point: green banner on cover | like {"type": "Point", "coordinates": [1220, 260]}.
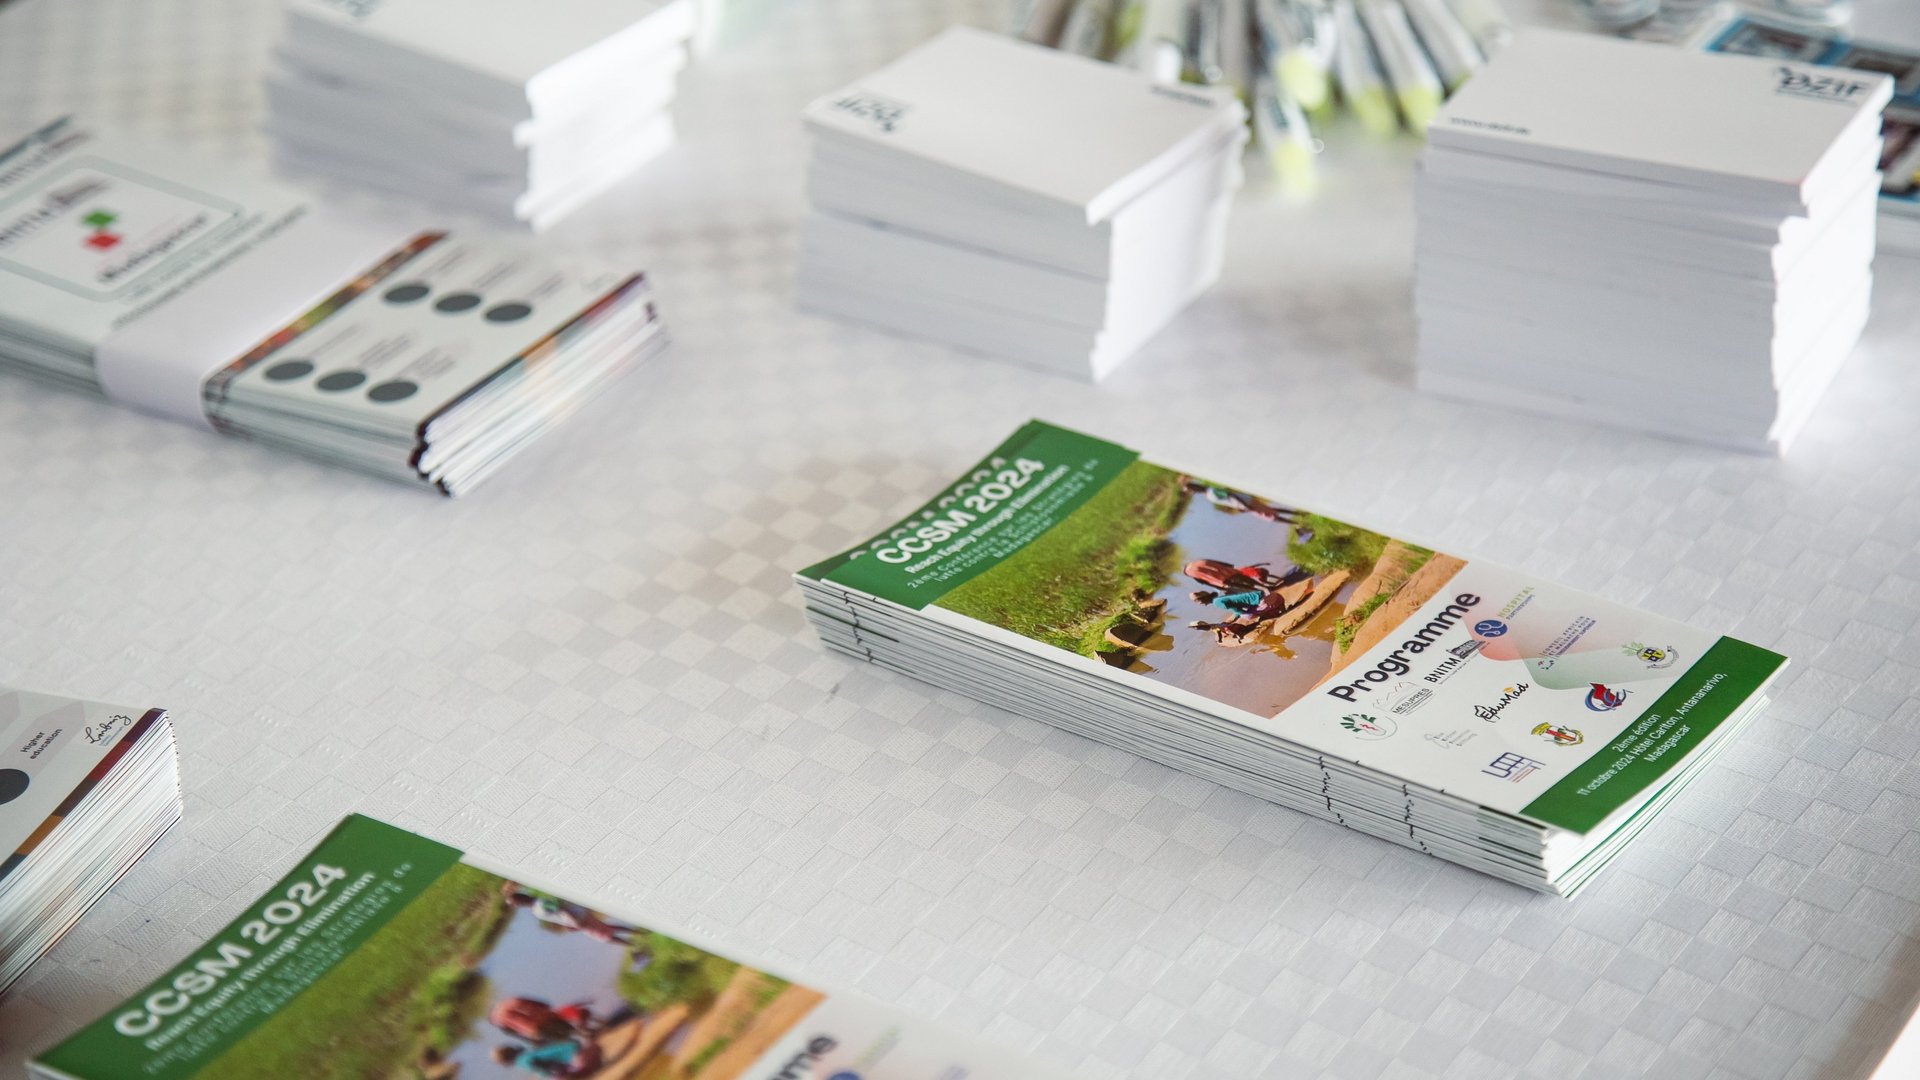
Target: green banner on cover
{"type": "Point", "coordinates": [1721, 683]}
{"type": "Point", "coordinates": [361, 876]}
{"type": "Point", "coordinates": [1025, 487]}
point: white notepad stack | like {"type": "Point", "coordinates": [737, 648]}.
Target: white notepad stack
{"type": "Point", "coordinates": [85, 789]}
{"type": "Point", "coordinates": [503, 108]}
{"type": "Point", "coordinates": [1644, 236]}
{"type": "Point", "coordinates": [1012, 200]}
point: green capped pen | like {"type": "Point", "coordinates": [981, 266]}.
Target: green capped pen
{"type": "Point", "coordinates": [1455, 56]}
{"type": "Point", "coordinates": [1205, 56]}
{"type": "Point", "coordinates": [1149, 37]}
{"type": "Point", "coordinates": [1415, 85]}
{"type": "Point", "coordinates": [1362, 85]}
{"type": "Point", "coordinates": [1280, 125]}
{"type": "Point", "coordinates": [1297, 37]}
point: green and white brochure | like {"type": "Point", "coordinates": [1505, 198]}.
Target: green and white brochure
{"type": "Point", "coordinates": [1374, 660]}
{"type": "Point", "coordinates": [386, 954]}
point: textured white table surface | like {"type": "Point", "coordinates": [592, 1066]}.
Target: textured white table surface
{"type": "Point", "coordinates": [597, 666]}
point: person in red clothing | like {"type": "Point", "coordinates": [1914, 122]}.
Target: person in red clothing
{"type": "Point", "coordinates": [1230, 578]}
{"type": "Point", "coordinates": [538, 1022]}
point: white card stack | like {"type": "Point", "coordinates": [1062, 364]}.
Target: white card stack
{"type": "Point", "coordinates": [505, 109]}
{"type": "Point", "coordinates": [1659, 239]}
{"type": "Point", "coordinates": [190, 290]}
{"type": "Point", "coordinates": [85, 789]}
{"type": "Point", "coordinates": [1008, 199]}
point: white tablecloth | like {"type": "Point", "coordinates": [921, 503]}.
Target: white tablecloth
{"type": "Point", "coordinates": [597, 666]}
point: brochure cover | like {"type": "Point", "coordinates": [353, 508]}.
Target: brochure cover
{"type": "Point", "coordinates": [385, 954]}
{"type": "Point", "coordinates": [1472, 679]}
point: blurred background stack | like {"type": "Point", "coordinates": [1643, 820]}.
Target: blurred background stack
{"type": "Point", "coordinates": [514, 112]}
{"type": "Point", "coordinates": [1058, 215]}
{"type": "Point", "coordinates": [1305, 67]}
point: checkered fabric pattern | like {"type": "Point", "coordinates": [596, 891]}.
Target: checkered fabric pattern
{"type": "Point", "coordinates": [597, 667]}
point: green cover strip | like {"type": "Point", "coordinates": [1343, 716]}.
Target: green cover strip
{"type": "Point", "coordinates": [1713, 689]}
{"type": "Point", "coordinates": [341, 894]}
{"type": "Point", "coordinates": [1026, 486]}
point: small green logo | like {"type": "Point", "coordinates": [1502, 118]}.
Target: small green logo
{"type": "Point", "coordinates": [1368, 727]}
{"type": "Point", "coordinates": [102, 237]}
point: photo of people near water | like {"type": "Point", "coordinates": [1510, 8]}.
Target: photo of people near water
{"type": "Point", "coordinates": [483, 978]}
{"type": "Point", "coordinates": [1210, 589]}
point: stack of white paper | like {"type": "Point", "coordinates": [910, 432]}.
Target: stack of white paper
{"type": "Point", "coordinates": [507, 109]}
{"type": "Point", "coordinates": [1472, 712]}
{"type": "Point", "coordinates": [1660, 239]}
{"type": "Point", "coordinates": [85, 789]}
{"type": "Point", "coordinates": [1012, 200]}
{"type": "Point", "coordinates": [185, 289]}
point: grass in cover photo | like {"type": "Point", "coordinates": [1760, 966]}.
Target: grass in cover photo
{"type": "Point", "coordinates": [1206, 588]}
{"type": "Point", "coordinates": [482, 978]}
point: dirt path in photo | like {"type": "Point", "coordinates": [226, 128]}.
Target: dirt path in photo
{"type": "Point", "coordinates": [749, 1033]}
{"type": "Point", "coordinates": [627, 1047]}
{"type": "Point", "coordinates": [1422, 586]}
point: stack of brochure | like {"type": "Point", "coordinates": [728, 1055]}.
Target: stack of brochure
{"type": "Point", "coordinates": [1469, 711]}
{"type": "Point", "coordinates": [1667, 240]}
{"type": "Point", "coordinates": [186, 290]}
{"type": "Point", "coordinates": [384, 954]}
{"type": "Point", "coordinates": [1058, 213]}
{"type": "Point", "coordinates": [85, 789]}
{"type": "Point", "coordinates": [504, 109]}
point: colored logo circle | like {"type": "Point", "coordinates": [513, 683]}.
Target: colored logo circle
{"type": "Point", "coordinates": [1489, 628]}
{"type": "Point", "coordinates": [1369, 727]}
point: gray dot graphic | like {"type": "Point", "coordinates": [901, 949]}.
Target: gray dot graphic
{"type": "Point", "coordinates": [505, 313]}
{"type": "Point", "coordinates": [341, 380]}
{"type": "Point", "coordinates": [397, 390]}
{"type": "Point", "coordinates": [453, 303]}
{"type": "Point", "coordinates": [287, 370]}
{"type": "Point", "coordinates": [405, 294]}
{"type": "Point", "coordinates": [12, 783]}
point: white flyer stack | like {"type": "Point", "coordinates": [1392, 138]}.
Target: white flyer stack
{"type": "Point", "coordinates": [1008, 199]}
{"type": "Point", "coordinates": [85, 789]}
{"type": "Point", "coordinates": [1660, 239]}
{"type": "Point", "coordinates": [509, 110]}
{"type": "Point", "coordinates": [183, 289]}
{"type": "Point", "coordinates": [1466, 710]}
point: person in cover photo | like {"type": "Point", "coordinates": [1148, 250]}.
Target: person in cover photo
{"type": "Point", "coordinates": [565, 1058]}
{"type": "Point", "coordinates": [538, 1022]}
{"type": "Point", "coordinates": [1236, 502]}
{"type": "Point", "coordinates": [565, 915]}
{"type": "Point", "coordinates": [1227, 577]}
